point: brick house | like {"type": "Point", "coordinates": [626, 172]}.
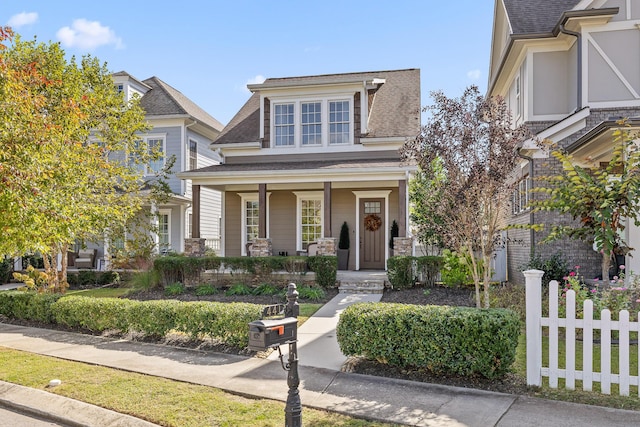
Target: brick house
{"type": "Point", "coordinates": [568, 69]}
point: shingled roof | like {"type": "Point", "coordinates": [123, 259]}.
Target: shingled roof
{"type": "Point", "coordinates": [394, 113]}
{"type": "Point", "coordinates": [164, 100]}
{"type": "Point", "coordinates": [536, 17]}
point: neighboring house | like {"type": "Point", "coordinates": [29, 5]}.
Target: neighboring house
{"type": "Point", "coordinates": [568, 69]}
{"type": "Point", "coordinates": [304, 155]}
{"type": "Point", "coordinates": [182, 129]}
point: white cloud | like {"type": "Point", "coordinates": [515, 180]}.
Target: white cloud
{"type": "Point", "coordinates": [89, 35]}
{"type": "Point", "coordinates": [22, 19]}
{"type": "Point", "coordinates": [474, 74]}
{"type": "Point", "coordinates": [254, 80]}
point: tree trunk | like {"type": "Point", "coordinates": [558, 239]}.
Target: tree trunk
{"type": "Point", "coordinates": [486, 273]}
{"type": "Point", "coordinates": [606, 263]}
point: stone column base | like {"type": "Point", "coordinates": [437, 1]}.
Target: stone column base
{"type": "Point", "coordinates": [403, 246]}
{"type": "Point", "coordinates": [194, 247]}
{"type": "Point", "coordinates": [261, 247]}
{"type": "Point", "coordinates": [327, 246]}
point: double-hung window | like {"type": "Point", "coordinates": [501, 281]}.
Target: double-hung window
{"type": "Point", "coordinates": [311, 123]}
{"type": "Point", "coordinates": [339, 129]}
{"type": "Point", "coordinates": [520, 201]}
{"type": "Point", "coordinates": [284, 125]}
{"type": "Point", "coordinates": [154, 146]}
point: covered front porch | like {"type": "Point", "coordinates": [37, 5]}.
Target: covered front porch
{"type": "Point", "coordinates": [288, 211]}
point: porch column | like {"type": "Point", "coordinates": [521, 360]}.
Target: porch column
{"type": "Point", "coordinates": [402, 208]}
{"type": "Point", "coordinates": [262, 211]}
{"type": "Point", "coordinates": [195, 212]}
{"type": "Point", "coordinates": [327, 209]}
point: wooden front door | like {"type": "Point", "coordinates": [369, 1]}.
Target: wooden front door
{"type": "Point", "coordinates": [372, 234]}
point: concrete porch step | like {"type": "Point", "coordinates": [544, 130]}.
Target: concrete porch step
{"type": "Point", "coordinates": [361, 287]}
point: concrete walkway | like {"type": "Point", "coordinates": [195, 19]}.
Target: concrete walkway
{"type": "Point", "coordinates": [322, 384]}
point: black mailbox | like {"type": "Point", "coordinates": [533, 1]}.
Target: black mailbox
{"type": "Point", "coordinates": [272, 332]}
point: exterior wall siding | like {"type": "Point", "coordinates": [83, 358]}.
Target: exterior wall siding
{"type": "Point", "coordinates": [232, 224]}
{"type": "Point", "coordinates": [551, 83]}
{"type": "Point", "coordinates": [173, 145]}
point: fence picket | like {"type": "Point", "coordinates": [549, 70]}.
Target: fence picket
{"type": "Point", "coordinates": [589, 322]}
{"type": "Point", "coordinates": [553, 334]}
{"type": "Point", "coordinates": [605, 352]}
{"type": "Point", "coordinates": [570, 341]}
{"type": "Point", "coordinates": [623, 352]}
{"type": "Point", "coordinates": [587, 346]}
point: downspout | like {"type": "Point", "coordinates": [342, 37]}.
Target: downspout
{"type": "Point", "coordinates": [578, 37]}
{"type": "Point", "coordinates": [532, 235]}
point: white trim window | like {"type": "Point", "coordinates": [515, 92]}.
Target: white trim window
{"type": "Point", "coordinates": [309, 219]}
{"type": "Point", "coordinates": [250, 213]}
{"type": "Point", "coordinates": [154, 144]}
{"type": "Point", "coordinates": [164, 231]}
{"type": "Point", "coordinates": [339, 122]}
{"type": "Point", "coordinates": [518, 90]}
{"type": "Point", "coordinates": [284, 126]}
{"type": "Point", "coordinates": [312, 122]}
{"type": "Point", "coordinates": [520, 200]}
{"type": "Point", "coordinates": [193, 154]}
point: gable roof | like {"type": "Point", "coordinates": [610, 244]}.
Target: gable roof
{"type": "Point", "coordinates": [395, 112]}
{"type": "Point", "coordinates": [536, 17]}
{"type": "Point", "coordinates": [164, 100]}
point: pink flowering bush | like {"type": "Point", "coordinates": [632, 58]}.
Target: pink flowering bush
{"type": "Point", "coordinates": [619, 294]}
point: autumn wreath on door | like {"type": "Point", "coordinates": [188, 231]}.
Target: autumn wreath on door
{"type": "Point", "coordinates": [372, 222]}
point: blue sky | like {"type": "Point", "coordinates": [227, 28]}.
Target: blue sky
{"type": "Point", "coordinates": [210, 50]}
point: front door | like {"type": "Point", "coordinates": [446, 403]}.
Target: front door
{"type": "Point", "coordinates": [372, 234]}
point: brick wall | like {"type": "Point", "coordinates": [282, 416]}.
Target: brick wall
{"type": "Point", "coordinates": [577, 252]}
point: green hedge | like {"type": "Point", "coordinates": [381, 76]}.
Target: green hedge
{"type": "Point", "coordinates": [28, 305]}
{"type": "Point", "coordinates": [404, 271]}
{"type": "Point", "coordinates": [455, 340]}
{"type": "Point", "coordinates": [222, 321]}
{"type": "Point", "coordinates": [326, 269]}
{"type": "Point", "coordinates": [182, 269]}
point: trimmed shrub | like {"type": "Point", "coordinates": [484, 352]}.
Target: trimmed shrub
{"type": "Point", "coordinates": [184, 269]}
{"type": "Point", "coordinates": [326, 269]}
{"type": "Point", "coordinates": [94, 314]}
{"type": "Point", "coordinates": [428, 269]}
{"type": "Point", "coordinates": [455, 340]}
{"type": "Point", "coordinates": [28, 305]}
{"type": "Point", "coordinates": [455, 270]}
{"type": "Point", "coordinates": [153, 318]}
{"type": "Point", "coordinates": [400, 272]}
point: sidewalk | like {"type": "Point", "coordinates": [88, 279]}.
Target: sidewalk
{"type": "Point", "coordinates": [323, 387]}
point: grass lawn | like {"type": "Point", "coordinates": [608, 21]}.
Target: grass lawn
{"type": "Point", "coordinates": [161, 401]}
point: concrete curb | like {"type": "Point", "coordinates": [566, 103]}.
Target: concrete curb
{"type": "Point", "coordinates": [63, 410]}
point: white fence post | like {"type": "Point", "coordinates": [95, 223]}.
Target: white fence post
{"type": "Point", "coordinates": [533, 283]}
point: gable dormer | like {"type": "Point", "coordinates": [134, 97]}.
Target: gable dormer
{"type": "Point", "coordinates": [129, 85]}
{"type": "Point", "coordinates": [315, 112]}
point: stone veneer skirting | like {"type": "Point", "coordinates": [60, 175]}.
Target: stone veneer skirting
{"type": "Point", "coordinates": [327, 246]}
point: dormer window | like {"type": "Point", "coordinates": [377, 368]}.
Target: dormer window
{"type": "Point", "coordinates": [312, 123]}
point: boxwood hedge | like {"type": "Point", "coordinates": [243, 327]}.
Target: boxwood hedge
{"type": "Point", "coordinates": [457, 340]}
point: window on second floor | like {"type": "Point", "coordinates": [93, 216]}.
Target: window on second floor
{"type": "Point", "coordinates": [193, 154]}
{"type": "Point", "coordinates": [153, 144]}
{"type": "Point", "coordinates": [520, 199]}
{"type": "Point", "coordinates": [307, 123]}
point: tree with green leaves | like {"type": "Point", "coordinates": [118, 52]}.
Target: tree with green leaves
{"type": "Point", "coordinates": [467, 154]}
{"type": "Point", "coordinates": [600, 199]}
{"type": "Point", "coordinates": [69, 153]}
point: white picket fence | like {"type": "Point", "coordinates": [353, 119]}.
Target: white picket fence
{"type": "Point", "coordinates": [535, 322]}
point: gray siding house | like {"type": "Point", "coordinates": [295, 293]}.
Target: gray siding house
{"type": "Point", "coordinates": [184, 131]}
{"type": "Point", "coordinates": [306, 154]}
{"type": "Point", "coordinates": [568, 69]}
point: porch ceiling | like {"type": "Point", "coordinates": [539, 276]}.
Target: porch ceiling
{"type": "Point", "coordinates": [292, 172]}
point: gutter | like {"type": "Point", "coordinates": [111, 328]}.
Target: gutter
{"type": "Point", "coordinates": [532, 233]}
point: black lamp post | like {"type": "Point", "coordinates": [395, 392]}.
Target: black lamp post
{"type": "Point", "coordinates": [293, 408]}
